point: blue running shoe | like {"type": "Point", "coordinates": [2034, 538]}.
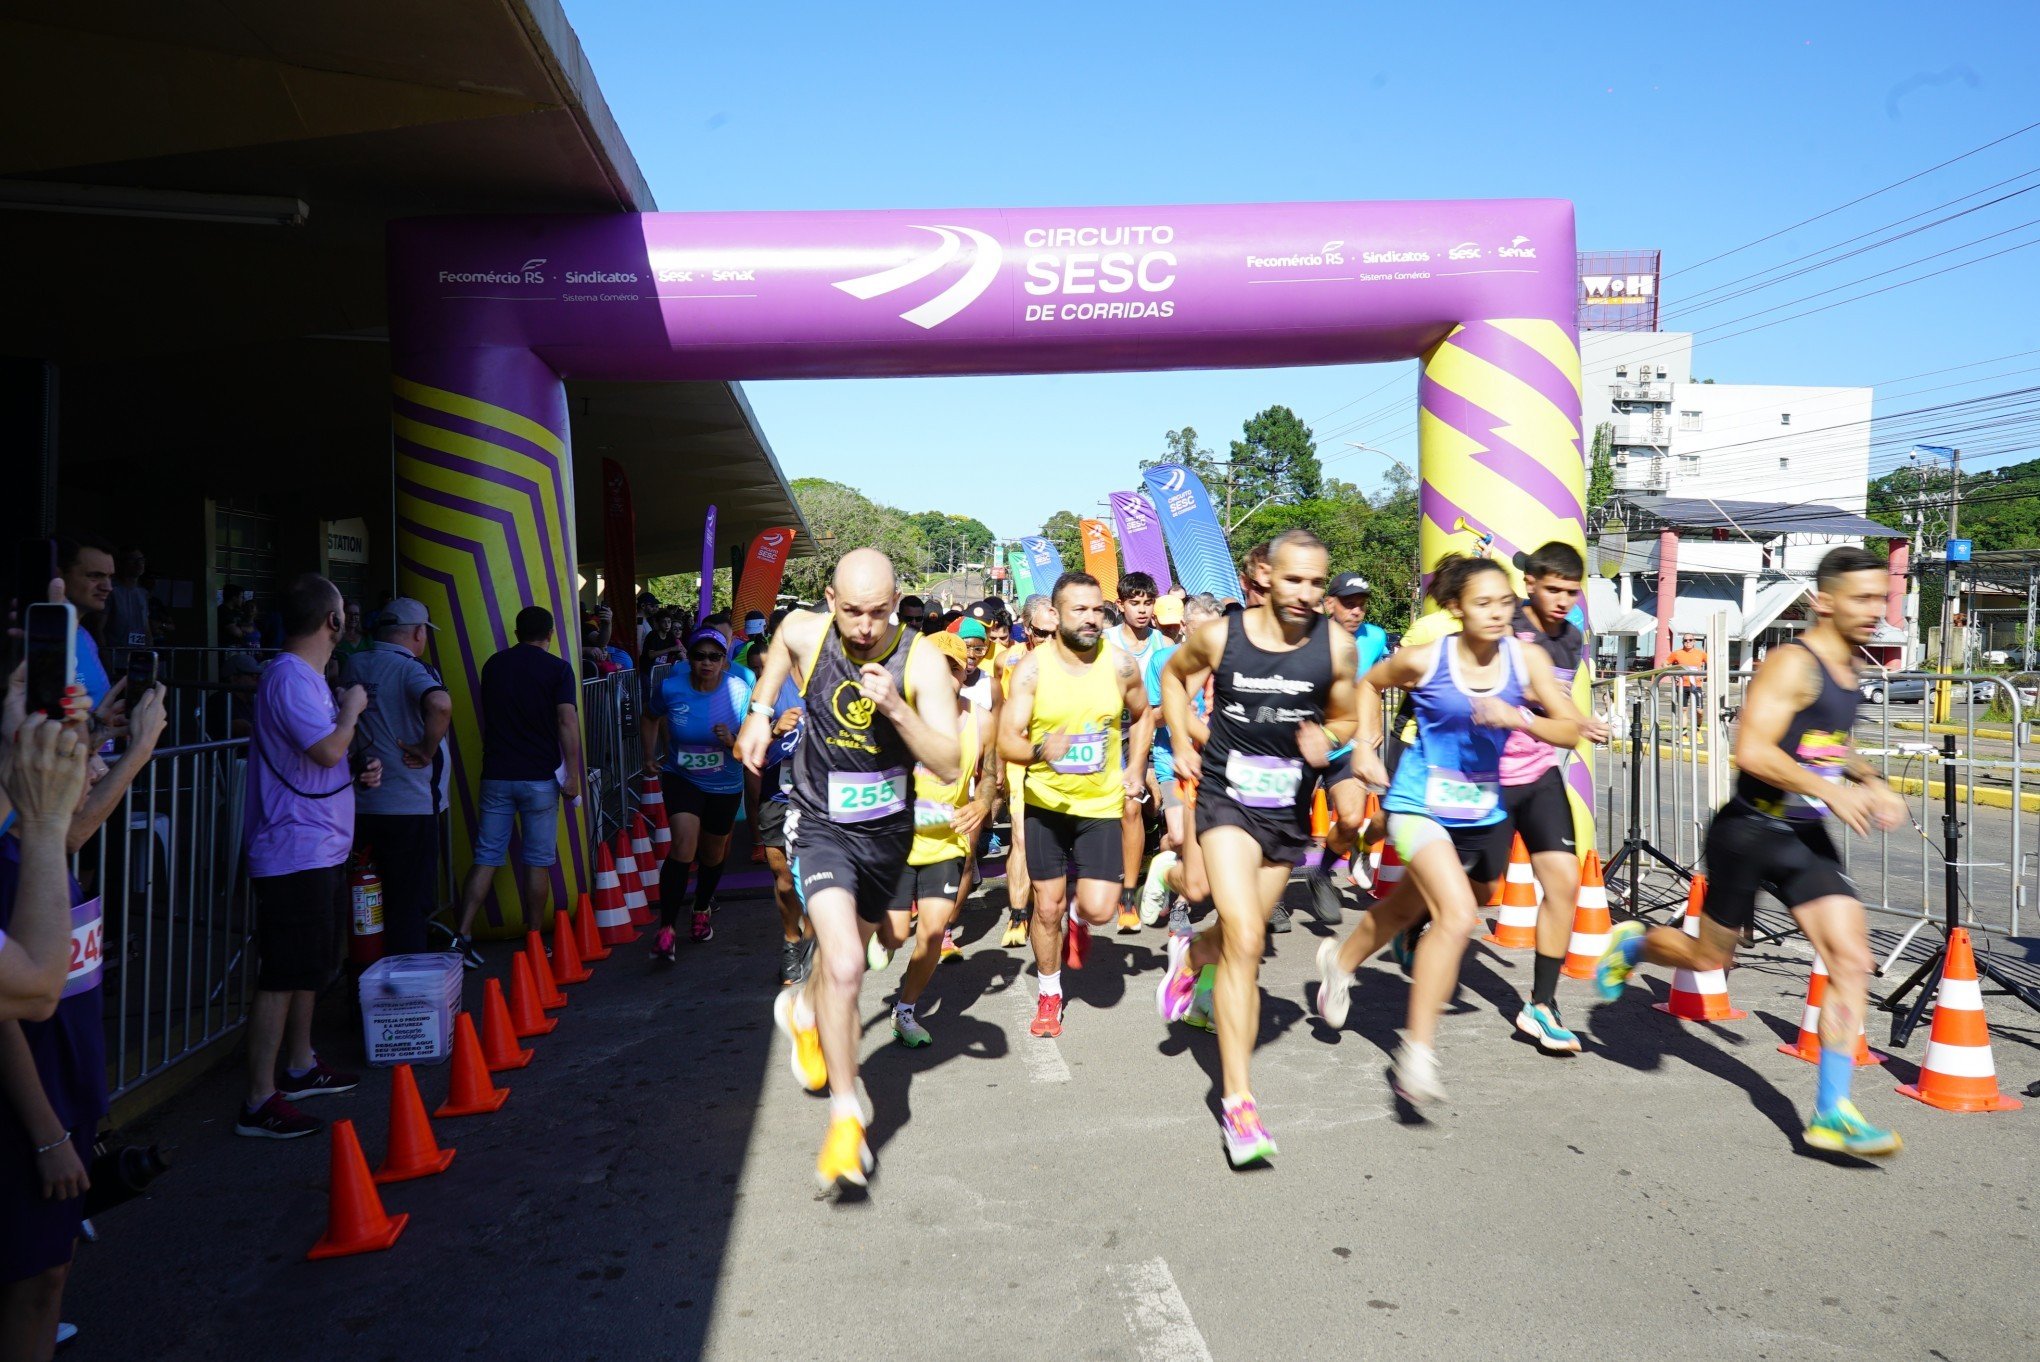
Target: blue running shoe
{"type": "Point", "coordinates": [1612, 970]}
{"type": "Point", "coordinates": [1540, 1022]}
{"type": "Point", "coordinates": [1402, 948]}
{"type": "Point", "coordinates": [1844, 1131]}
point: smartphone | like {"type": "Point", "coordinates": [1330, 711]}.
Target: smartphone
{"type": "Point", "coordinates": [51, 647]}
{"type": "Point", "coordinates": [141, 674]}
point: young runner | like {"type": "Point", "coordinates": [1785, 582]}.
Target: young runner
{"type": "Point", "coordinates": [1282, 699]}
{"type": "Point", "coordinates": [1445, 811]}
{"type": "Point", "coordinates": [1035, 624]}
{"type": "Point", "coordinates": [1136, 636]}
{"type": "Point", "coordinates": [697, 710]}
{"type": "Point", "coordinates": [877, 701]}
{"type": "Point", "coordinates": [797, 941]}
{"type": "Point", "coordinates": [1062, 721]}
{"type": "Point", "coordinates": [1793, 768]}
{"type": "Point", "coordinates": [1175, 878]}
{"type": "Point", "coordinates": [1346, 604]}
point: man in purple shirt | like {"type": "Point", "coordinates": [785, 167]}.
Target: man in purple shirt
{"type": "Point", "coordinates": [300, 828]}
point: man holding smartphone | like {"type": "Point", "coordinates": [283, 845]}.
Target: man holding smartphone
{"type": "Point", "coordinates": [300, 806]}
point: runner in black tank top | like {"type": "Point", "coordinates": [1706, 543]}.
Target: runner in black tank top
{"type": "Point", "coordinates": [1795, 767]}
{"type": "Point", "coordinates": [875, 703]}
{"type": "Point", "coordinates": [1282, 702]}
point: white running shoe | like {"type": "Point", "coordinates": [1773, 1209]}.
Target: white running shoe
{"type": "Point", "coordinates": [1154, 891]}
{"type": "Point", "coordinates": [1416, 1073]}
{"type": "Point", "coordinates": [1334, 985]}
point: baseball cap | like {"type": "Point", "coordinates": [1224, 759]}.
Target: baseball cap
{"type": "Point", "coordinates": [403, 610]}
{"type": "Point", "coordinates": [706, 635]}
{"type": "Point", "coordinates": [1350, 584]}
{"type": "Point", "coordinates": [1169, 610]}
{"type": "Point", "coordinates": [970, 629]}
{"type": "Point", "coordinates": [951, 647]}
{"type": "Point", "coordinates": [754, 626]}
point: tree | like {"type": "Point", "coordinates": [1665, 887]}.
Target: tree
{"type": "Point", "coordinates": [1063, 531]}
{"type": "Point", "coordinates": [951, 539]}
{"type": "Point", "coordinates": [1600, 468]}
{"type": "Point", "coordinates": [1341, 524]}
{"type": "Point", "coordinates": [1276, 460]}
{"type": "Point", "coordinates": [843, 518]}
{"type": "Point", "coordinates": [1388, 551]}
{"type": "Point", "coordinates": [1182, 446]}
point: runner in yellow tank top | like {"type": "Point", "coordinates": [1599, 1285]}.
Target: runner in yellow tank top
{"type": "Point", "coordinates": [1062, 719]}
{"type": "Point", "coordinates": [1036, 621]}
{"type": "Point", "coordinates": [947, 817]}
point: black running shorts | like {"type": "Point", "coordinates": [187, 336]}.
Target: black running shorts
{"type": "Point", "coordinates": [717, 812]}
{"type": "Point", "coordinates": [1541, 812]}
{"type": "Point", "coordinates": [938, 881]}
{"type": "Point", "coordinates": [1283, 837]}
{"type": "Point", "coordinates": [771, 831]}
{"type": "Point", "coordinates": [867, 864]}
{"type": "Point", "coordinates": [1060, 842]}
{"type": "Point", "coordinates": [1794, 861]}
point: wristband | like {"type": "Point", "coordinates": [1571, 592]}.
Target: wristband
{"type": "Point", "coordinates": [762, 708]}
{"type": "Point", "coordinates": [42, 1149]}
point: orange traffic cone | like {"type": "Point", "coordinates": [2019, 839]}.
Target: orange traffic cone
{"type": "Point", "coordinates": [1591, 923]}
{"type": "Point", "coordinates": [1389, 873]}
{"type": "Point", "coordinates": [355, 1222]}
{"type": "Point", "coordinates": [549, 996]}
{"type": "Point", "coordinates": [413, 1153]}
{"type": "Point", "coordinates": [1959, 1074]}
{"type": "Point", "coordinates": [644, 857]}
{"type": "Point", "coordinates": [652, 805]}
{"type": "Point", "coordinates": [587, 937]}
{"type": "Point", "coordinates": [566, 957]}
{"type": "Point", "coordinates": [1320, 816]}
{"type": "Point", "coordinates": [500, 1050]}
{"type": "Point", "coordinates": [527, 1017]}
{"type": "Point", "coordinates": [1699, 995]}
{"type": "Point", "coordinates": [1807, 1045]}
{"type": "Point", "coordinates": [1370, 814]}
{"type": "Point", "coordinates": [631, 877]}
{"type": "Point", "coordinates": [612, 919]}
{"type": "Point", "coordinates": [473, 1091]}
{"type": "Point", "coordinates": [1516, 924]}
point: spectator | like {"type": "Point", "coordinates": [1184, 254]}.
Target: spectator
{"type": "Point", "coordinates": [605, 626]}
{"type": "Point", "coordinates": [52, 1040]}
{"type": "Point", "coordinates": [595, 659]}
{"type": "Point", "coordinates": [86, 564]}
{"type": "Point", "coordinates": [404, 728]}
{"type": "Point", "coordinates": [353, 638]}
{"type": "Point", "coordinates": [300, 812]}
{"type": "Point", "coordinates": [913, 612]}
{"type": "Point", "coordinates": [127, 611]}
{"type": "Point", "coordinates": [1691, 655]}
{"type": "Point", "coordinates": [531, 754]}
{"type": "Point", "coordinates": [662, 640]}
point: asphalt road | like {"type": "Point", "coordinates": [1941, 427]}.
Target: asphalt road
{"type": "Point", "coordinates": [647, 1192]}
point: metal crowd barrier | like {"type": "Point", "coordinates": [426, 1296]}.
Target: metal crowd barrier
{"type": "Point", "coordinates": [1674, 736]}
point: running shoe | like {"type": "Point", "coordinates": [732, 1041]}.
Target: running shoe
{"type": "Point", "coordinates": [321, 1080]}
{"type": "Point", "coordinates": [994, 848]}
{"type": "Point", "coordinates": [1844, 1131]}
{"type": "Point", "coordinates": [1402, 947]}
{"type": "Point", "coordinates": [908, 1031]}
{"type": "Point", "coordinates": [1325, 904]}
{"type": "Point", "coordinates": [1129, 918]}
{"type": "Point", "coordinates": [1246, 1139]}
{"type": "Point", "coordinates": [1278, 921]}
{"type": "Point", "coordinates": [804, 961]}
{"type": "Point", "coordinates": [704, 927]}
{"type": "Point", "coordinates": [1179, 983]}
{"type": "Point", "coordinates": [1199, 1015]}
{"type": "Point", "coordinates": [1541, 1023]}
{"type": "Point", "coordinates": [845, 1159]}
{"type": "Point", "coordinates": [1416, 1074]}
{"type": "Point", "coordinates": [950, 950]}
{"type": "Point", "coordinates": [464, 947]}
{"type": "Point", "coordinates": [276, 1119]}
{"type": "Point", "coordinates": [1335, 985]}
{"type": "Point", "coordinates": [806, 1056]}
{"type": "Point", "coordinates": [1154, 890]}
{"type": "Point", "coordinates": [1016, 931]}
{"type": "Point", "coordinates": [1179, 916]}
{"type": "Point", "coordinates": [1076, 943]}
{"type": "Point", "coordinates": [1047, 1016]}
{"type": "Point", "coordinates": [1612, 970]}
{"type": "Point", "coordinates": [1361, 868]}
{"type": "Point", "coordinates": [876, 955]}
{"type": "Point", "coordinates": [663, 945]}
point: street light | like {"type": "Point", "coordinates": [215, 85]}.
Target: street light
{"type": "Point", "coordinates": [1411, 473]}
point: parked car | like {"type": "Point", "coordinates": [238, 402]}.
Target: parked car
{"type": "Point", "coordinates": [1904, 690]}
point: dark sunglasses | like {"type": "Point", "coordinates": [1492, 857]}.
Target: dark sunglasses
{"type": "Point", "coordinates": [704, 657]}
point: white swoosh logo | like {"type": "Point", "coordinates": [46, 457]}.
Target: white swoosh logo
{"type": "Point", "coordinates": [1174, 481]}
{"type": "Point", "coordinates": [984, 267]}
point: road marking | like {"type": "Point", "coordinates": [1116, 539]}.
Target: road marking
{"type": "Point", "coordinates": [1158, 1315]}
{"type": "Point", "coordinates": [1043, 1056]}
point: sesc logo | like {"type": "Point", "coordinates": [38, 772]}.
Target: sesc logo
{"type": "Point", "coordinates": [1173, 481]}
{"type": "Point", "coordinates": [985, 256]}
{"type": "Point", "coordinates": [1465, 250]}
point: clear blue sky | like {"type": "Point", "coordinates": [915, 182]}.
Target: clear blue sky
{"type": "Point", "coordinates": [1689, 129]}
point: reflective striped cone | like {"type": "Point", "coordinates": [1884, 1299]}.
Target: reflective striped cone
{"type": "Point", "coordinates": [1591, 923]}
{"type": "Point", "coordinates": [566, 957]}
{"type": "Point", "coordinates": [1807, 1045]}
{"type": "Point", "coordinates": [1516, 923]}
{"type": "Point", "coordinates": [413, 1152]}
{"type": "Point", "coordinates": [1959, 1074]}
{"type": "Point", "coordinates": [612, 918]}
{"type": "Point", "coordinates": [652, 804]}
{"type": "Point", "coordinates": [500, 1050]}
{"type": "Point", "coordinates": [527, 1018]}
{"type": "Point", "coordinates": [587, 937]}
{"type": "Point", "coordinates": [642, 856]}
{"type": "Point", "coordinates": [355, 1221]}
{"type": "Point", "coordinates": [1699, 995]}
{"type": "Point", "coordinates": [629, 876]}
{"type": "Point", "coordinates": [1388, 873]}
{"type": "Point", "coordinates": [473, 1093]}
{"type": "Point", "coordinates": [549, 996]}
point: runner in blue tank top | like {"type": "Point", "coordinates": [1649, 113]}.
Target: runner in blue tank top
{"type": "Point", "coordinates": [697, 710]}
{"type": "Point", "coordinates": [1444, 807]}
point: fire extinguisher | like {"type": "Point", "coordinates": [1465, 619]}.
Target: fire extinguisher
{"type": "Point", "coordinates": [365, 925]}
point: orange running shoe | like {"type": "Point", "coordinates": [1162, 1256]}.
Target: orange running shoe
{"type": "Point", "coordinates": [845, 1159]}
{"type": "Point", "coordinates": [1047, 1016]}
{"type": "Point", "coordinates": [1076, 943]}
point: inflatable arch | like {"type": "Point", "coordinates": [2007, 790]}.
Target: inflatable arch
{"type": "Point", "coordinates": [489, 316]}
